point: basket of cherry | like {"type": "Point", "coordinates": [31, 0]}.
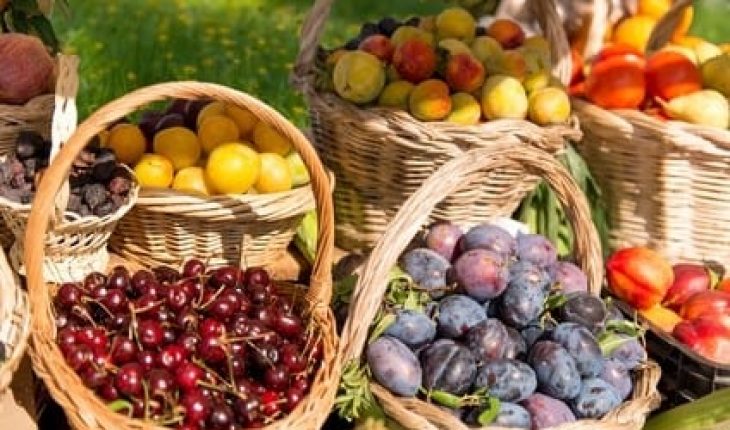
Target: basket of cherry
{"type": "Point", "coordinates": [156, 347]}
{"type": "Point", "coordinates": [469, 328]}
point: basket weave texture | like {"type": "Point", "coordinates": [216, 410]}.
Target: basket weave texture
{"type": "Point", "coordinates": [666, 183]}
{"type": "Point", "coordinates": [167, 227]}
{"type": "Point", "coordinates": [83, 409]}
{"type": "Point", "coordinates": [14, 321]}
{"type": "Point", "coordinates": [381, 156]}
{"type": "Point", "coordinates": [462, 172]}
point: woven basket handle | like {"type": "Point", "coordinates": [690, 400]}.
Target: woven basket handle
{"type": "Point", "coordinates": [667, 24]}
{"type": "Point", "coordinates": [544, 10]}
{"type": "Point", "coordinates": [459, 173]}
{"type": "Point", "coordinates": [321, 280]}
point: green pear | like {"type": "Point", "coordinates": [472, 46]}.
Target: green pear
{"type": "Point", "coordinates": [716, 74]}
{"type": "Point", "coordinates": [706, 107]}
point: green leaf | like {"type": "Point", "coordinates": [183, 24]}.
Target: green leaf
{"type": "Point", "coordinates": [380, 326]}
{"type": "Point", "coordinates": [444, 398]}
{"type": "Point", "coordinates": [608, 342]}
{"type": "Point", "coordinates": [343, 289]}
{"type": "Point", "coordinates": [355, 400]}
{"type": "Point", "coordinates": [43, 27]}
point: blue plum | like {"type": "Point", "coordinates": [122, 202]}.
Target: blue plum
{"type": "Point", "coordinates": [584, 309]}
{"type": "Point", "coordinates": [521, 304]}
{"type": "Point", "coordinates": [491, 238]}
{"type": "Point", "coordinates": [428, 269]}
{"type": "Point", "coordinates": [508, 380]}
{"type": "Point", "coordinates": [546, 411]}
{"type": "Point", "coordinates": [529, 274]}
{"type": "Point", "coordinates": [616, 374]}
{"type": "Point", "coordinates": [448, 366]}
{"type": "Point", "coordinates": [457, 314]}
{"type": "Point", "coordinates": [413, 328]}
{"type": "Point", "coordinates": [487, 340]}
{"type": "Point", "coordinates": [536, 249]}
{"type": "Point", "coordinates": [516, 346]}
{"type": "Point", "coordinates": [443, 238]}
{"type": "Point", "coordinates": [512, 415]}
{"type": "Point", "coordinates": [582, 346]}
{"type": "Point", "coordinates": [482, 274]}
{"type": "Point", "coordinates": [569, 278]}
{"type": "Point", "coordinates": [394, 366]}
{"type": "Point", "coordinates": [557, 374]}
{"type": "Point", "coordinates": [596, 399]}
{"type": "Point", "coordinates": [630, 353]}
{"type": "Point", "coordinates": [531, 334]}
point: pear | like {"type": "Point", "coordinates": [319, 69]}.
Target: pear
{"type": "Point", "coordinates": [486, 49]}
{"type": "Point", "coordinates": [705, 107]}
{"type": "Point", "coordinates": [454, 46]}
{"type": "Point", "coordinates": [716, 74]}
{"type": "Point", "coordinates": [706, 51]}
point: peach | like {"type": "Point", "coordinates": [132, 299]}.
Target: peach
{"type": "Point", "coordinates": [378, 45]}
{"type": "Point", "coordinates": [464, 73]}
{"type": "Point", "coordinates": [396, 95]}
{"type": "Point", "coordinates": [456, 23]}
{"type": "Point", "coordinates": [430, 101]}
{"type": "Point", "coordinates": [414, 60]}
{"type": "Point", "coordinates": [359, 77]}
{"type": "Point", "coordinates": [465, 109]}
{"type": "Point", "coordinates": [407, 32]}
{"type": "Point", "coordinates": [504, 97]}
{"type": "Point", "coordinates": [549, 106]}
{"type": "Point", "coordinates": [507, 32]}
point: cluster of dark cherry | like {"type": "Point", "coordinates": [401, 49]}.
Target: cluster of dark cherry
{"type": "Point", "coordinates": [218, 349]}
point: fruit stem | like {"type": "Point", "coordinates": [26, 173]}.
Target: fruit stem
{"type": "Point", "coordinates": [119, 405]}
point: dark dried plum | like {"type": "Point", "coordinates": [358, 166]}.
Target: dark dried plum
{"type": "Point", "coordinates": [28, 144]}
{"type": "Point", "coordinates": [94, 194]}
{"type": "Point", "coordinates": [104, 165]}
{"type": "Point", "coordinates": [106, 208]}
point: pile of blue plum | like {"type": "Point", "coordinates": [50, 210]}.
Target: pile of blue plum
{"type": "Point", "coordinates": [505, 326]}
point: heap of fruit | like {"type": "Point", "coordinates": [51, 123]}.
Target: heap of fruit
{"type": "Point", "coordinates": [446, 68]}
{"type": "Point", "coordinates": [26, 68]}
{"type": "Point", "coordinates": [217, 349]}
{"type": "Point", "coordinates": [99, 185]}
{"type": "Point", "coordinates": [686, 80]}
{"type": "Point", "coordinates": [496, 330]}
{"type": "Point", "coordinates": [685, 299]}
{"type": "Point", "coordinates": [207, 148]}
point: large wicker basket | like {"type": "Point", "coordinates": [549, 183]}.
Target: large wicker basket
{"type": "Point", "coordinates": [76, 245]}
{"type": "Point", "coordinates": [167, 226]}
{"type": "Point", "coordinates": [83, 409]}
{"type": "Point", "coordinates": [381, 156]}
{"type": "Point", "coordinates": [666, 183]}
{"type": "Point", "coordinates": [461, 172]}
{"type": "Point", "coordinates": [14, 322]}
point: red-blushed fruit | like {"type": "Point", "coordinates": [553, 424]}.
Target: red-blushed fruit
{"type": "Point", "coordinates": [639, 276]}
{"type": "Point", "coordinates": [129, 379]}
{"type": "Point", "coordinates": [670, 74]}
{"type": "Point", "coordinates": [689, 279]}
{"type": "Point", "coordinates": [464, 73]}
{"type": "Point", "coordinates": [706, 304]}
{"type": "Point", "coordinates": [617, 50]}
{"type": "Point", "coordinates": [414, 60]}
{"type": "Point", "coordinates": [187, 376]}
{"type": "Point", "coordinates": [378, 45]}
{"type": "Point", "coordinates": [708, 336]}
{"type": "Point", "coordinates": [724, 285]}
{"type": "Point", "coordinates": [507, 32]}
{"type": "Point", "coordinates": [618, 82]}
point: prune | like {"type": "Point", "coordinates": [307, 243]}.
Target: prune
{"type": "Point", "coordinates": [582, 346]}
{"type": "Point", "coordinates": [428, 269]}
{"type": "Point", "coordinates": [516, 345]}
{"type": "Point", "coordinates": [536, 249]}
{"type": "Point", "coordinates": [596, 399]}
{"type": "Point", "coordinates": [394, 366]}
{"type": "Point", "coordinates": [448, 366]}
{"type": "Point", "coordinates": [192, 110]}
{"type": "Point", "coordinates": [630, 353]}
{"type": "Point", "coordinates": [569, 278]}
{"type": "Point", "coordinates": [368, 29]}
{"type": "Point", "coordinates": [28, 144]}
{"type": "Point", "coordinates": [529, 274]}
{"type": "Point", "coordinates": [148, 122]}
{"type": "Point", "coordinates": [546, 411]}
{"type": "Point", "coordinates": [413, 328]}
{"type": "Point", "coordinates": [32, 166]}
{"type": "Point", "coordinates": [512, 415]}
{"type": "Point", "coordinates": [168, 121]}
{"type": "Point", "coordinates": [94, 194]}
{"type": "Point", "coordinates": [489, 237]}
{"type": "Point", "coordinates": [74, 202]}
{"type": "Point", "coordinates": [521, 304]}
{"type": "Point", "coordinates": [557, 374]}
{"type": "Point", "coordinates": [104, 209]}
{"type": "Point", "coordinates": [483, 274]}
{"type": "Point", "coordinates": [584, 309]}
{"type": "Point", "coordinates": [487, 340]}
{"type": "Point", "coordinates": [616, 374]}
{"type": "Point", "coordinates": [508, 380]}
{"type": "Point", "coordinates": [443, 238]}
{"type": "Point", "coordinates": [120, 185]}
{"type": "Point", "coordinates": [457, 314]}
{"type": "Point", "coordinates": [104, 165]}
{"type": "Point", "coordinates": [388, 26]}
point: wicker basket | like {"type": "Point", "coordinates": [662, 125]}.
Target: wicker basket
{"type": "Point", "coordinates": [462, 172]}
{"type": "Point", "coordinates": [14, 322]}
{"type": "Point", "coordinates": [666, 183]}
{"type": "Point", "coordinates": [381, 156]}
{"type": "Point", "coordinates": [76, 245]}
{"type": "Point", "coordinates": [83, 409]}
{"type": "Point", "coordinates": [168, 227]}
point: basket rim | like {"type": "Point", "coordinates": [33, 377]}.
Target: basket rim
{"type": "Point", "coordinates": [12, 294]}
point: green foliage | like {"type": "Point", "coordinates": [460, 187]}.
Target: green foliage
{"type": "Point", "coordinates": [26, 16]}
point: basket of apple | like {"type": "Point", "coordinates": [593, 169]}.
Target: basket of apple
{"type": "Point", "coordinates": [406, 96]}
{"type": "Point", "coordinates": [222, 179]}
{"type": "Point", "coordinates": [653, 107]}
{"type": "Point", "coordinates": [484, 328]}
{"type": "Point", "coordinates": [187, 346]}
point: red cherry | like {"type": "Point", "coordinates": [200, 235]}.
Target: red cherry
{"type": "Point", "coordinates": [193, 268]}
{"type": "Point", "coordinates": [270, 403]}
{"type": "Point", "coordinates": [289, 325]}
{"type": "Point", "coordinates": [123, 350]}
{"type": "Point", "coordinates": [196, 406]}
{"type": "Point", "coordinates": [115, 301]}
{"type": "Point", "coordinates": [294, 396]}
{"type": "Point", "coordinates": [257, 276]}
{"type": "Point", "coordinates": [129, 379]}
{"type": "Point", "coordinates": [211, 328]}
{"type": "Point", "coordinates": [108, 391]}
{"type": "Point", "coordinates": [177, 297]}
{"type": "Point", "coordinates": [150, 333]}
{"type": "Point", "coordinates": [190, 342]}
{"type": "Point", "coordinates": [292, 359]}
{"type": "Point", "coordinates": [66, 339]}
{"type": "Point", "coordinates": [172, 356]}
{"type": "Point", "coordinates": [79, 357]}
{"type": "Point", "coordinates": [68, 296]}
{"type": "Point", "coordinates": [276, 378]}
{"type": "Point", "coordinates": [188, 375]}
{"type": "Point", "coordinates": [161, 382]}
{"type": "Point", "coordinates": [212, 350]}
{"type": "Point", "coordinates": [147, 359]}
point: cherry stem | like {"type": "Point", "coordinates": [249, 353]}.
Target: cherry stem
{"type": "Point", "coordinates": [98, 302]}
{"type": "Point", "coordinates": [215, 295]}
{"type": "Point", "coordinates": [84, 314]}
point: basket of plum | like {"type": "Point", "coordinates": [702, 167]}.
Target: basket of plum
{"type": "Point", "coordinates": [192, 346]}
{"type": "Point", "coordinates": [484, 328]}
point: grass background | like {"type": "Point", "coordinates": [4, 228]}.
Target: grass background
{"type": "Point", "coordinates": [246, 44]}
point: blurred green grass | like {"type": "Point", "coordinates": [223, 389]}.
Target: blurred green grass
{"type": "Point", "coordinates": [246, 44]}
